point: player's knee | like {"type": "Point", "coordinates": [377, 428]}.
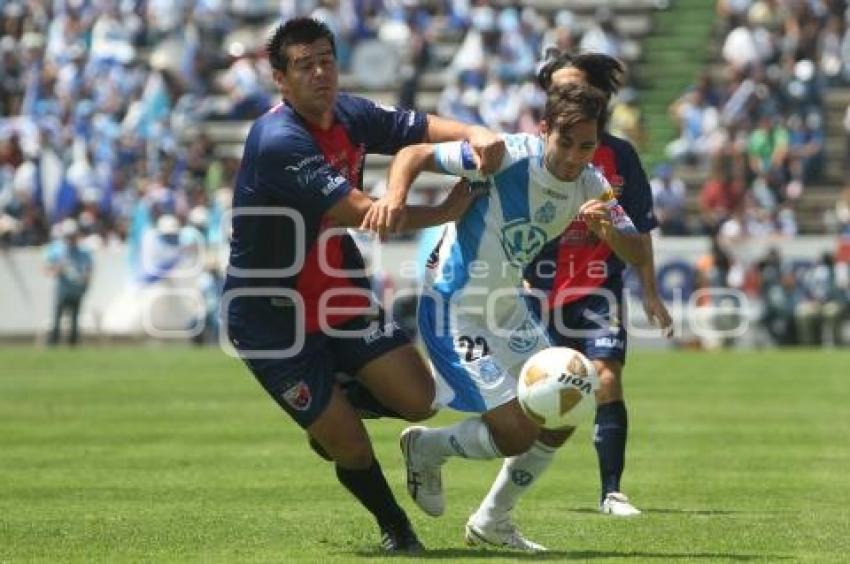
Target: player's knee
{"type": "Point", "coordinates": [354, 456]}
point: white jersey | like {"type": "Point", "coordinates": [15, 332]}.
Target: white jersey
{"type": "Point", "coordinates": [485, 252]}
{"type": "Point", "coordinates": [472, 319]}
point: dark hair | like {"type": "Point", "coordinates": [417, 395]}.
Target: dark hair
{"type": "Point", "coordinates": [568, 104]}
{"type": "Point", "coordinates": [602, 71]}
{"type": "Point", "coordinates": [297, 31]}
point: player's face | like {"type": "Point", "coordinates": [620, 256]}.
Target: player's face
{"type": "Point", "coordinates": [567, 151]}
{"type": "Point", "coordinates": [311, 78]}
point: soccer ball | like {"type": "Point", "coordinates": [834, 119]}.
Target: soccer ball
{"type": "Point", "coordinates": [556, 388]}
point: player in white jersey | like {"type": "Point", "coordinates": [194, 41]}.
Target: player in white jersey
{"type": "Point", "coordinates": [475, 326]}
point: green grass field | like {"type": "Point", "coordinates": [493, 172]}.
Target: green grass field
{"type": "Point", "coordinates": [168, 454]}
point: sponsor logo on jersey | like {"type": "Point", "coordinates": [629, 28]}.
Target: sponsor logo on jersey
{"type": "Point", "coordinates": [609, 343]}
{"type": "Point", "coordinates": [304, 162]}
{"type": "Point", "coordinates": [386, 331]}
{"type": "Point", "coordinates": [522, 241]}
{"type": "Point", "coordinates": [555, 194]}
{"type": "Point", "coordinates": [386, 107]}
{"type": "Point", "coordinates": [333, 184]}
{"type": "Point", "coordinates": [298, 396]}
{"type": "Point", "coordinates": [545, 213]}
{"type": "Point", "coordinates": [485, 373]}
{"type": "Point", "coordinates": [524, 338]}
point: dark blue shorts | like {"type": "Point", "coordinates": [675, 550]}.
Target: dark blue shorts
{"type": "Point", "coordinates": [592, 325]}
{"type": "Point", "coordinates": [301, 383]}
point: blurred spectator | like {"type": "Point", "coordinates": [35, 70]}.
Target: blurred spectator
{"type": "Point", "coordinates": [768, 149]}
{"type": "Point", "coordinates": [842, 212]}
{"type": "Point", "coordinates": [780, 299]}
{"type": "Point", "coordinates": [603, 36]}
{"type": "Point", "coordinates": [668, 194]}
{"type": "Point", "coordinates": [718, 312]}
{"type": "Point", "coordinates": [824, 308]}
{"type": "Point", "coordinates": [71, 264]}
{"type": "Point", "coordinates": [161, 250]}
{"type": "Point", "coordinates": [626, 120]}
{"type": "Point", "coordinates": [722, 194]}
{"type": "Point", "coordinates": [779, 56]}
{"type": "Point", "coordinates": [244, 87]}
{"type": "Point", "coordinates": [698, 123]}
{"type": "Point", "coordinates": [805, 151]}
{"type": "Point", "coordinates": [209, 285]}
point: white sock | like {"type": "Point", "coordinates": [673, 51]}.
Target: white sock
{"type": "Point", "coordinates": [515, 478]}
{"type": "Point", "coordinates": [468, 439]}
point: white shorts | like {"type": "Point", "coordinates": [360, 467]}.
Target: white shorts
{"type": "Point", "coordinates": [475, 366]}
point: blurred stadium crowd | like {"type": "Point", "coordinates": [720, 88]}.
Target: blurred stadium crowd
{"type": "Point", "coordinates": [756, 124]}
{"type": "Point", "coordinates": [103, 106]}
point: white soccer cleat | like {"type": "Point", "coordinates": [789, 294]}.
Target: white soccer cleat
{"type": "Point", "coordinates": [424, 480]}
{"type": "Point", "coordinates": [617, 504]}
{"type": "Point", "coordinates": [503, 534]}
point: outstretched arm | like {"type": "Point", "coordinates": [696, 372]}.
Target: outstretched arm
{"type": "Point", "coordinates": [390, 213]}
{"type": "Point", "coordinates": [488, 148]}
{"type": "Point", "coordinates": [353, 210]}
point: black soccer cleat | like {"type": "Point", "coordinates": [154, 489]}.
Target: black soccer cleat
{"type": "Point", "coordinates": [400, 539]}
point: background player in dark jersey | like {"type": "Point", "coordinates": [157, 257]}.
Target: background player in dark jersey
{"type": "Point", "coordinates": [585, 289]}
{"type": "Point", "coordinates": [296, 301]}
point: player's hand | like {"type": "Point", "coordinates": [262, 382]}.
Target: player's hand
{"type": "Point", "coordinates": [657, 314]}
{"type": "Point", "coordinates": [458, 201]}
{"type": "Point", "coordinates": [595, 214]}
{"type": "Point", "coordinates": [385, 215]}
{"type": "Point", "coordinates": [488, 149]}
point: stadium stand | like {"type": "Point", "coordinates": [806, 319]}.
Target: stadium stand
{"type": "Point", "coordinates": [119, 113]}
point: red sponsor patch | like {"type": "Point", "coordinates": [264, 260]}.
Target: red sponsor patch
{"type": "Point", "coordinates": [298, 396]}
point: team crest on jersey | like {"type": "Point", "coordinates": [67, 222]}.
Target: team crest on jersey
{"type": "Point", "coordinates": [522, 241]}
{"type": "Point", "coordinates": [524, 338]}
{"type": "Point", "coordinates": [486, 373]}
{"type": "Point", "coordinates": [298, 396]}
{"type": "Point", "coordinates": [545, 213]}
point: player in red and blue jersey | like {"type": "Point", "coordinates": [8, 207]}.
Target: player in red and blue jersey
{"type": "Point", "coordinates": [296, 303]}
{"type": "Point", "coordinates": [583, 280]}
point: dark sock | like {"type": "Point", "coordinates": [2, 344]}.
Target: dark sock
{"type": "Point", "coordinates": [610, 441]}
{"type": "Point", "coordinates": [367, 404]}
{"type": "Point", "coordinates": [370, 487]}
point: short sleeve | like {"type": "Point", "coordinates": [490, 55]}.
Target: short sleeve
{"type": "Point", "coordinates": [387, 128]}
{"type": "Point", "coordinates": [636, 197]}
{"type": "Point", "coordinates": [457, 158]}
{"type": "Point", "coordinates": [597, 186]}
{"type": "Point", "coordinates": [295, 172]}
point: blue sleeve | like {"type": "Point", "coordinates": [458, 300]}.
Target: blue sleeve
{"type": "Point", "coordinates": [636, 197]}
{"type": "Point", "coordinates": [292, 168]}
{"type": "Point", "coordinates": [386, 129]}
{"type": "Point", "coordinates": [455, 158]}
